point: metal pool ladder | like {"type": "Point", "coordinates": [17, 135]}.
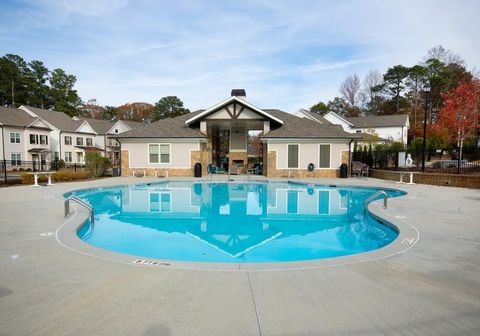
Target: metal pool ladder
{"type": "Point", "coordinates": [82, 203]}
{"type": "Point", "coordinates": [368, 200]}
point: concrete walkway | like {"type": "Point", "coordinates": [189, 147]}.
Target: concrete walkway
{"type": "Point", "coordinates": [431, 289]}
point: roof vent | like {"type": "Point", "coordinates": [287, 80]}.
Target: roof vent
{"type": "Point", "coordinates": [240, 93]}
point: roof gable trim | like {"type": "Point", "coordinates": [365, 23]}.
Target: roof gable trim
{"type": "Point", "coordinates": [341, 118]}
{"type": "Point", "coordinates": [226, 102]}
{"type": "Point", "coordinates": [53, 128]}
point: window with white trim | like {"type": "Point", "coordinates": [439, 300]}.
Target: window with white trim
{"type": "Point", "coordinates": [68, 156]}
{"type": "Point", "coordinates": [164, 153]}
{"type": "Point", "coordinates": [14, 137]}
{"type": "Point", "coordinates": [32, 139]}
{"type": "Point", "coordinates": [292, 156]}
{"type": "Point", "coordinates": [79, 141]}
{"type": "Point", "coordinates": [68, 140]}
{"type": "Point", "coordinates": [43, 140]}
{"type": "Point", "coordinates": [324, 156]}
{"type": "Point", "coordinates": [16, 159]}
{"type": "Point", "coordinates": [159, 153]}
{"type": "Point", "coordinates": [153, 153]}
{"type": "Point", "coordinates": [89, 142]}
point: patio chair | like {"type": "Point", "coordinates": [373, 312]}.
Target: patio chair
{"type": "Point", "coordinates": [359, 169]}
{"type": "Point", "coordinates": [212, 169]}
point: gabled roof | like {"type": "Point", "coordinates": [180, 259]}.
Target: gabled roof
{"type": "Point", "coordinates": [165, 128]}
{"type": "Point", "coordinates": [132, 124]}
{"type": "Point", "coordinates": [15, 117]}
{"type": "Point", "coordinates": [335, 115]}
{"type": "Point", "coordinates": [227, 102]}
{"type": "Point", "coordinates": [380, 121]}
{"type": "Point", "coordinates": [59, 120]}
{"type": "Point", "coordinates": [100, 126]}
{"type": "Point", "coordinates": [129, 123]}
{"type": "Point", "coordinates": [313, 116]}
{"type": "Point", "coordinates": [295, 127]}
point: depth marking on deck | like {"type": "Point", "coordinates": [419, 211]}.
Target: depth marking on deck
{"type": "Point", "coordinates": [408, 241]}
{"type": "Point", "coordinates": [150, 262]}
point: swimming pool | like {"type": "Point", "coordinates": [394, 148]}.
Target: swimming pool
{"type": "Point", "coordinates": [254, 222]}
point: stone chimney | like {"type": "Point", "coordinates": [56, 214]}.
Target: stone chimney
{"type": "Point", "coordinates": [240, 93]}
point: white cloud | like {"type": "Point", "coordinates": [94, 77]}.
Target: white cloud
{"type": "Point", "coordinates": [287, 55]}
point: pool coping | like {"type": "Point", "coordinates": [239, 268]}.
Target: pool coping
{"type": "Point", "coordinates": [408, 236]}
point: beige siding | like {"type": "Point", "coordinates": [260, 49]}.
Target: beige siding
{"type": "Point", "coordinates": [180, 154]}
{"type": "Point", "coordinates": [308, 152]}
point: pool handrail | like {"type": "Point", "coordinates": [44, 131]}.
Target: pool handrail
{"type": "Point", "coordinates": [371, 198]}
{"type": "Point", "coordinates": [80, 202]}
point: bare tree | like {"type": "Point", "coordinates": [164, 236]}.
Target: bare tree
{"type": "Point", "coordinates": [350, 90]}
{"type": "Point", "coordinates": [444, 55]}
{"type": "Point", "coordinates": [371, 94]}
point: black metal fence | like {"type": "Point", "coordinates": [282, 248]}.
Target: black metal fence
{"type": "Point", "coordinates": [446, 161]}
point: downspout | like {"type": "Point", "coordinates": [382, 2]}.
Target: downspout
{"type": "Point", "coordinates": [349, 158]}
{"type": "Point", "coordinates": [4, 162]}
{"type": "Point", "coordinates": [60, 146]}
{"type": "Point", "coordinates": [119, 157]}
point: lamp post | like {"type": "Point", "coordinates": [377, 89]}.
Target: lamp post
{"type": "Point", "coordinates": [426, 89]}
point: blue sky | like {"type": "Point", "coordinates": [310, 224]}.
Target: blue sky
{"type": "Point", "coordinates": [286, 54]}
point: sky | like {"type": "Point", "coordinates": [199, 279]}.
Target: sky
{"type": "Point", "coordinates": [285, 54]}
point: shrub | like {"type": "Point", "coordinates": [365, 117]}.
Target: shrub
{"type": "Point", "coordinates": [61, 164]}
{"type": "Point", "coordinates": [96, 163]}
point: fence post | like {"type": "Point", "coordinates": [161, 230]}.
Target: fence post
{"type": "Point", "coordinates": [458, 161]}
{"type": "Point", "coordinates": [4, 164]}
{"type": "Point", "coordinates": [75, 167]}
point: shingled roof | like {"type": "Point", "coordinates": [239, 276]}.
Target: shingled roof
{"type": "Point", "coordinates": [59, 120]}
{"type": "Point", "coordinates": [295, 127]}
{"type": "Point", "coordinates": [15, 117]}
{"type": "Point", "coordinates": [99, 125]}
{"type": "Point", "coordinates": [165, 128]}
{"type": "Point", "coordinates": [379, 121]}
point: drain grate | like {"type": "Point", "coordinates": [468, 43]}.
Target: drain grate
{"type": "Point", "coordinates": [150, 262]}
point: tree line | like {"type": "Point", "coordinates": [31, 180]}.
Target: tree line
{"type": "Point", "coordinates": [32, 83]}
{"type": "Point", "coordinates": [401, 89]}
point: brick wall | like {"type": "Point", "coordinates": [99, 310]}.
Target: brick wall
{"type": "Point", "coordinates": [451, 180]}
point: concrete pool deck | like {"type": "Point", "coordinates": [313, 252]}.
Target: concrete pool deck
{"type": "Point", "coordinates": [431, 288]}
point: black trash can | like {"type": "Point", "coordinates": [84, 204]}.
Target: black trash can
{"type": "Point", "coordinates": [198, 169]}
{"type": "Point", "coordinates": [343, 170]}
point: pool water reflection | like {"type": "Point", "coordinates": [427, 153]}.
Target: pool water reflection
{"type": "Point", "coordinates": [233, 222]}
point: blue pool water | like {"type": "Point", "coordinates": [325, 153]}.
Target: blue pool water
{"type": "Point", "coordinates": [233, 222]}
